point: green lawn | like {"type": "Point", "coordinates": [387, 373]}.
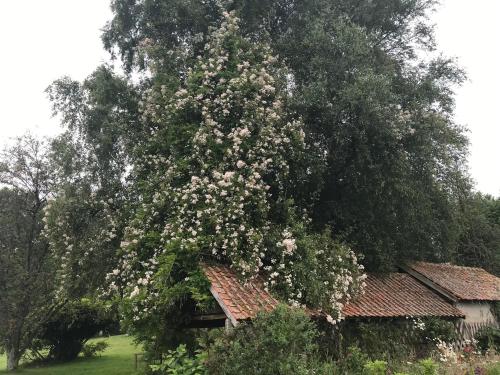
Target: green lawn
{"type": "Point", "coordinates": [118, 359]}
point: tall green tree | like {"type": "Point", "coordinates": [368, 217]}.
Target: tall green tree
{"type": "Point", "coordinates": [26, 267]}
{"type": "Point", "coordinates": [479, 242]}
{"type": "Point", "coordinates": [387, 165]}
{"type": "Point", "coordinates": [91, 160]}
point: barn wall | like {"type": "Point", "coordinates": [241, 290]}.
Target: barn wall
{"type": "Point", "coordinates": [477, 316]}
{"type": "Point", "coordinates": [476, 312]}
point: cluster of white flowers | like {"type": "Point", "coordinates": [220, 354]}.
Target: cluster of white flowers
{"type": "Point", "coordinates": [446, 351]}
{"type": "Point", "coordinates": [219, 194]}
{"type": "Point", "coordinates": [418, 323]}
{"type": "Point", "coordinates": [340, 276]}
{"type": "Point", "coordinates": [74, 250]}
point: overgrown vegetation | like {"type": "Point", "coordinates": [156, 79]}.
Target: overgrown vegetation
{"type": "Point", "coordinates": [178, 362]}
{"type": "Point", "coordinates": [281, 342]}
{"type": "Point", "coordinates": [297, 140]}
{"type": "Point", "coordinates": [66, 333]}
{"type": "Point", "coordinates": [286, 341]}
{"type": "Point", "coordinates": [392, 340]}
{"type": "Point", "coordinates": [488, 338]}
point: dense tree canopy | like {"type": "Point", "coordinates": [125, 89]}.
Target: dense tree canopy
{"type": "Point", "coordinates": [214, 185]}
{"type": "Point", "coordinates": [392, 165]}
{"type": "Point", "coordinates": [90, 160]}
{"type": "Point", "coordinates": [479, 242]}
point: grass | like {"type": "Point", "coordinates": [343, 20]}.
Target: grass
{"type": "Point", "coordinates": [495, 369]}
{"type": "Point", "coordinates": [118, 359]}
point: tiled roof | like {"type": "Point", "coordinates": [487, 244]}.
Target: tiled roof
{"type": "Point", "coordinates": [239, 301]}
{"type": "Point", "coordinates": [464, 283]}
{"type": "Point", "coordinates": [398, 295]}
{"type": "Point", "coordinates": [395, 295]}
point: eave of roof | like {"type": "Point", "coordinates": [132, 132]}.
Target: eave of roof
{"type": "Point", "coordinates": [388, 296]}
{"type": "Point", "coordinates": [238, 301]}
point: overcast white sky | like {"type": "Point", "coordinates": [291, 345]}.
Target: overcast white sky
{"type": "Point", "coordinates": [44, 40]}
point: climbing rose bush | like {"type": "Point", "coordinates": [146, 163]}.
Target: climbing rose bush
{"type": "Point", "coordinates": [82, 233]}
{"type": "Point", "coordinates": [213, 181]}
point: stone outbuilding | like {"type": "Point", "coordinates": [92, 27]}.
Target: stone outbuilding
{"type": "Point", "coordinates": [471, 290]}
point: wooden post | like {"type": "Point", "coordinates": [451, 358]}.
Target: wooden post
{"type": "Point", "coordinates": [229, 325]}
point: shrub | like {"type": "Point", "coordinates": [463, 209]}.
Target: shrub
{"type": "Point", "coordinates": [71, 327]}
{"type": "Point", "coordinates": [353, 362]}
{"type": "Point", "coordinates": [488, 338]}
{"type": "Point", "coordinates": [395, 340]}
{"type": "Point", "coordinates": [375, 368]}
{"type": "Point", "coordinates": [427, 367]}
{"type": "Point", "coordinates": [93, 349]}
{"type": "Point", "coordinates": [275, 343]}
{"type": "Point", "coordinates": [178, 362]}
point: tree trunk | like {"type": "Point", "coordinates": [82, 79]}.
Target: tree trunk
{"type": "Point", "coordinates": [12, 359]}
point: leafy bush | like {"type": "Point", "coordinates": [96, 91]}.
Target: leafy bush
{"type": "Point", "coordinates": [275, 343]}
{"type": "Point", "coordinates": [353, 362]}
{"type": "Point", "coordinates": [427, 367]}
{"type": "Point", "coordinates": [394, 340]}
{"type": "Point", "coordinates": [375, 368]}
{"type": "Point", "coordinates": [178, 362]}
{"type": "Point", "coordinates": [93, 349]}
{"type": "Point", "coordinates": [488, 338]}
{"type": "Point", "coordinates": [71, 327]}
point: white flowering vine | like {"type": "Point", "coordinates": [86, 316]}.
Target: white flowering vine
{"type": "Point", "coordinates": [216, 166]}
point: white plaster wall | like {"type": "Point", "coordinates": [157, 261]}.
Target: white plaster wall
{"type": "Point", "coordinates": [476, 312]}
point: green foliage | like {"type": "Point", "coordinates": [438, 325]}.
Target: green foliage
{"type": "Point", "coordinates": [277, 343]}
{"type": "Point", "coordinates": [383, 164]}
{"type": "Point", "coordinates": [488, 338]}
{"type": "Point", "coordinates": [438, 329]}
{"type": "Point", "coordinates": [27, 285]}
{"type": "Point", "coordinates": [493, 370]}
{"type": "Point", "coordinates": [427, 367]}
{"type": "Point", "coordinates": [94, 349]}
{"type": "Point", "coordinates": [375, 368]}
{"type": "Point", "coordinates": [118, 359]}
{"type": "Point", "coordinates": [212, 182]}
{"type": "Point", "coordinates": [385, 160]}
{"type": "Point", "coordinates": [72, 326]}
{"type": "Point", "coordinates": [353, 362]}
{"type": "Point", "coordinates": [84, 222]}
{"type": "Point", "coordinates": [394, 340]}
{"type": "Point", "coordinates": [480, 240]}
{"type": "Point", "coordinates": [178, 362]}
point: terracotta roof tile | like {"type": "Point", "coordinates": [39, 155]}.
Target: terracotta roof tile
{"type": "Point", "coordinates": [398, 295]}
{"type": "Point", "coordinates": [465, 283]}
{"type": "Point", "coordinates": [394, 295]}
{"type": "Point", "coordinates": [239, 301]}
